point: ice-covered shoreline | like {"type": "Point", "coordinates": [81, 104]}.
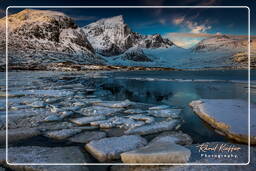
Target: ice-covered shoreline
{"type": "Point", "coordinates": [65, 111]}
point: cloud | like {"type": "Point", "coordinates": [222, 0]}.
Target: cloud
{"type": "Point", "coordinates": [186, 40]}
{"type": "Point", "coordinates": [193, 26]}
{"type": "Point", "coordinates": [190, 35]}
{"type": "Point", "coordinates": [178, 20]}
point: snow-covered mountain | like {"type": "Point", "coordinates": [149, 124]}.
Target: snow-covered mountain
{"type": "Point", "coordinates": [220, 42]}
{"type": "Point", "coordinates": [212, 52]}
{"type": "Point", "coordinates": [42, 36]}
{"type": "Point", "coordinates": [232, 49]}
{"type": "Point", "coordinates": [112, 36]}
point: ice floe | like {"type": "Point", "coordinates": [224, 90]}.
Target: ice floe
{"type": "Point", "coordinates": [99, 110]}
{"type": "Point", "coordinates": [87, 120]}
{"type": "Point", "coordinates": [62, 134]}
{"type": "Point", "coordinates": [154, 127]}
{"type": "Point", "coordinates": [158, 153]}
{"type": "Point", "coordinates": [108, 149]}
{"type": "Point", "coordinates": [172, 113]}
{"type": "Point", "coordinates": [229, 116]}
{"type": "Point", "coordinates": [87, 136]}
{"type": "Point", "coordinates": [115, 104]}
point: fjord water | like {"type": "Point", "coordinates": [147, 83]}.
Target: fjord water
{"type": "Point", "coordinates": [174, 88]}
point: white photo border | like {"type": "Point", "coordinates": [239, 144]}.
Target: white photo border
{"type": "Point", "coordinates": [55, 7]}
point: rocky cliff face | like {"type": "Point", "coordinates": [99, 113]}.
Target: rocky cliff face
{"type": "Point", "coordinates": [41, 36]}
{"type": "Point", "coordinates": [112, 36]}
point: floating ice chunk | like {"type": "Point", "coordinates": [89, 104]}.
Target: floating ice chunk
{"type": "Point", "coordinates": [126, 122]}
{"type": "Point", "coordinates": [173, 113]}
{"type": "Point", "coordinates": [78, 104]}
{"type": "Point", "coordinates": [92, 100]}
{"type": "Point", "coordinates": [55, 93]}
{"type": "Point", "coordinates": [17, 107]}
{"type": "Point", "coordinates": [173, 137]}
{"type": "Point", "coordinates": [55, 109]}
{"type": "Point", "coordinates": [52, 100]}
{"type": "Point", "coordinates": [72, 108]}
{"type": "Point", "coordinates": [228, 116]}
{"type": "Point", "coordinates": [98, 110]}
{"type": "Point", "coordinates": [119, 122]}
{"type": "Point", "coordinates": [107, 124]}
{"type": "Point", "coordinates": [115, 104]}
{"type": "Point", "coordinates": [160, 107]}
{"type": "Point", "coordinates": [62, 134]}
{"type": "Point", "coordinates": [66, 114]}
{"type": "Point", "coordinates": [108, 149]}
{"type": "Point", "coordinates": [132, 111]}
{"type": "Point", "coordinates": [98, 123]}
{"type": "Point", "coordinates": [52, 118]}
{"type": "Point", "coordinates": [87, 120]}
{"type": "Point", "coordinates": [141, 117]}
{"type": "Point", "coordinates": [153, 128]}
{"type": "Point", "coordinates": [37, 104]}
{"type": "Point", "coordinates": [87, 136]}
{"type": "Point", "coordinates": [158, 153]}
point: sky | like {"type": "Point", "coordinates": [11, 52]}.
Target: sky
{"type": "Point", "coordinates": [185, 26]}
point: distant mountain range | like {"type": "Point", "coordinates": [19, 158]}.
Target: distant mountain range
{"type": "Point", "coordinates": [43, 37]}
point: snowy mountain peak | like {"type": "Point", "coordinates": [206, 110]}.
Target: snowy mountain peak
{"type": "Point", "coordinates": [29, 17]}
{"type": "Point", "coordinates": [43, 36]}
{"type": "Point", "coordinates": [112, 36]}
{"type": "Point", "coordinates": [31, 14]}
{"type": "Point", "coordinates": [113, 21]}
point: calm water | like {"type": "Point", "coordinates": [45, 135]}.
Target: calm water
{"type": "Point", "coordinates": [175, 88]}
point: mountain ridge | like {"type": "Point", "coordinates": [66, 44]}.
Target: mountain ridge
{"type": "Point", "coordinates": [42, 37]}
{"type": "Point", "coordinates": [220, 42]}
